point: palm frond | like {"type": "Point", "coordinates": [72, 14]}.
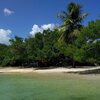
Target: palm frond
{"type": "Point", "coordinates": [72, 22]}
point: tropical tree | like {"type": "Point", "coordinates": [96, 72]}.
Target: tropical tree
{"type": "Point", "coordinates": [71, 22]}
{"type": "Point", "coordinates": [41, 46]}
{"type": "Point", "coordinates": [17, 50]}
{"type": "Point", "coordinates": [89, 42]}
{"type": "Point", "coordinates": [3, 50]}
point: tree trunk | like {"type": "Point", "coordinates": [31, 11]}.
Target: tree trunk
{"type": "Point", "coordinates": [73, 65]}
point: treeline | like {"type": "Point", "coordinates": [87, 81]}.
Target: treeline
{"type": "Point", "coordinates": [70, 44]}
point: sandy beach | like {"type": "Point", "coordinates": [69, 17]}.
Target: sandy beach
{"type": "Point", "coordinates": [55, 70]}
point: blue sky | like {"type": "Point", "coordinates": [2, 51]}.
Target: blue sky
{"type": "Point", "coordinates": [26, 13]}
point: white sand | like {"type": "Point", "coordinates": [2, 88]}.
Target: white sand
{"type": "Point", "coordinates": [12, 70]}
{"type": "Point", "coordinates": [67, 70]}
{"type": "Point", "coordinates": [57, 70]}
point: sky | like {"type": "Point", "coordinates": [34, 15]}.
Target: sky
{"type": "Point", "coordinates": [26, 17]}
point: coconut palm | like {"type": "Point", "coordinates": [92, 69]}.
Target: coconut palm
{"type": "Point", "coordinates": [72, 22]}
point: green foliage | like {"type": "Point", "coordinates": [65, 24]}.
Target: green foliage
{"type": "Point", "coordinates": [45, 47]}
{"type": "Point", "coordinates": [41, 47]}
{"type": "Point", "coordinates": [18, 48]}
{"type": "Point", "coordinates": [89, 33]}
{"type": "Point", "coordinates": [72, 19]}
{"type": "Point", "coordinates": [3, 51]}
{"type": "Point", "coordinates": [89, 42]}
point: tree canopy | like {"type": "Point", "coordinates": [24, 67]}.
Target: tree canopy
{"type": "Point", "coordinates": [72, 19]}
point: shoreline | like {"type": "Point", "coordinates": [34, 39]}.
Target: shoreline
{"type": "Point", "coordinates": [53, 70]}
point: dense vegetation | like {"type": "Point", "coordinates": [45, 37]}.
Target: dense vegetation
{"type": "Point", "coordinates": [69, 44]}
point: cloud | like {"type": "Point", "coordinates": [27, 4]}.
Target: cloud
{"type": "Point", "coordinates": [4, 36]}
{"type": "Point", "coordinates": [36, 28]}
{"type": "Point", "coordinates": [7, 12]}
{"type": "Point", "coordinates": [48, 26]}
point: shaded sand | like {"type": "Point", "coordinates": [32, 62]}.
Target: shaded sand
{"type": "Point", "coordinates": [55, 70]}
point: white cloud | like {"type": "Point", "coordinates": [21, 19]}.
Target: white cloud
{"type": "Point", "coordinates": [36, 28]}
{"type": "Point", "coordinates": [7, 12]}
{"type": "Point", "coordinates": [48, 26]}
{"type": "Point", "coordinates": [4, 36]}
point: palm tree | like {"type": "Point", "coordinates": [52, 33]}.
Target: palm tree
{"type": "Point", "coordinates": [72, 22]}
